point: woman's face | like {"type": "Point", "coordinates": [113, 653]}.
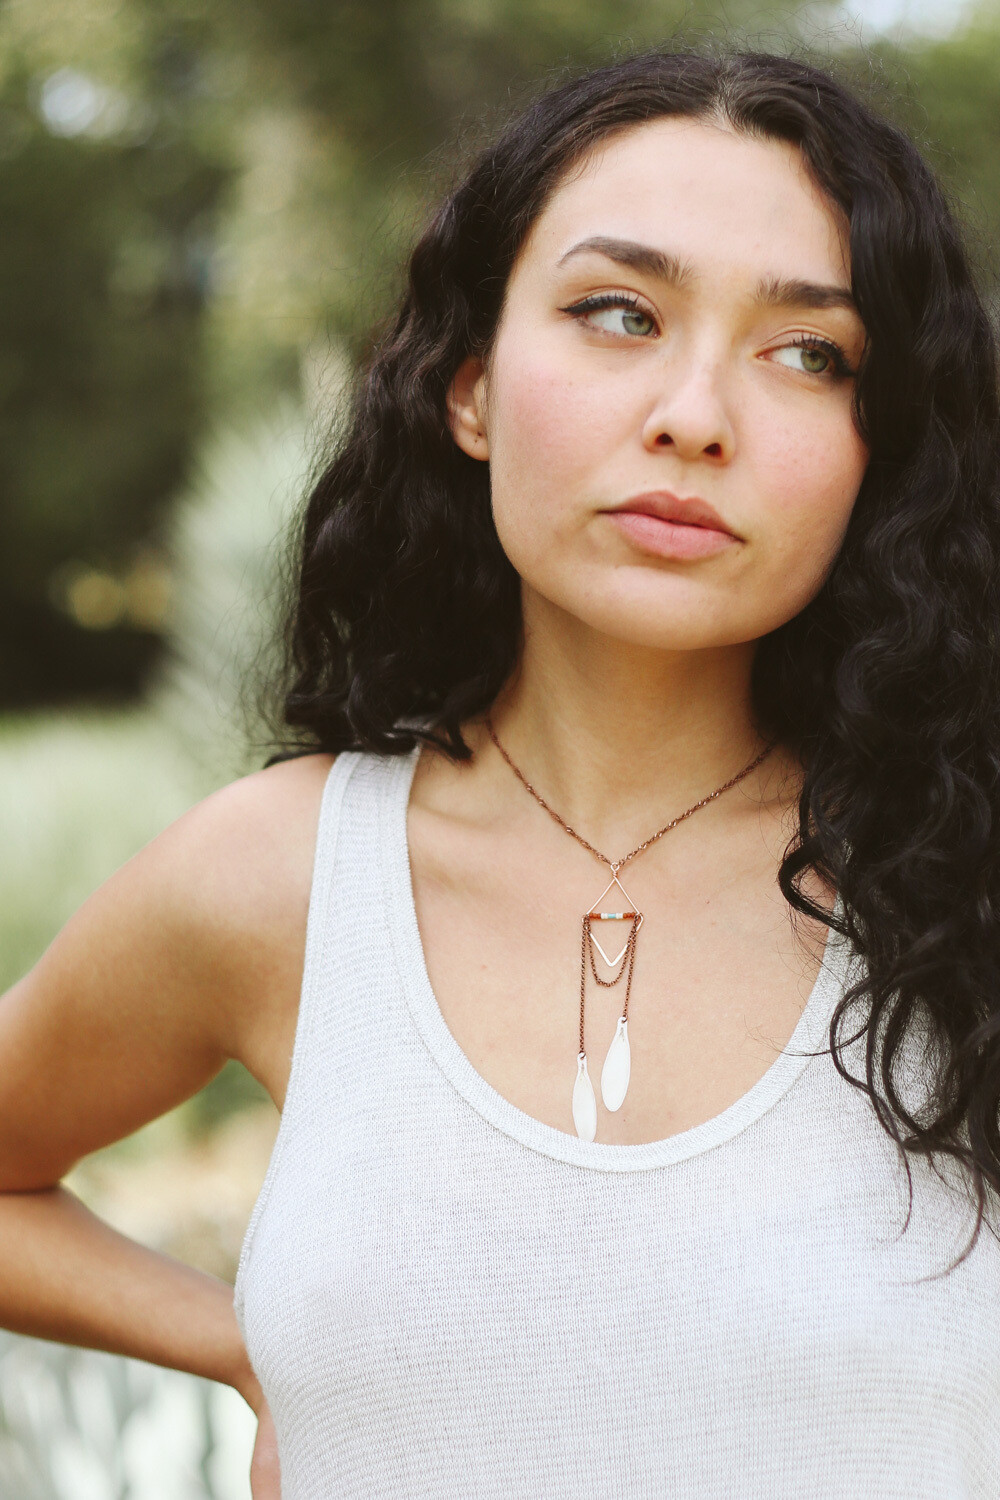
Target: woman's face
{"type": "Point", "coordinates": [667, 406]}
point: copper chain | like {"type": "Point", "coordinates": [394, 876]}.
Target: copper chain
{"type": "Point", "coordinates": [616, 866]}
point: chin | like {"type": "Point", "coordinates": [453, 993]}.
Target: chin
{"type": "Point", "coordinates": [638, 626]}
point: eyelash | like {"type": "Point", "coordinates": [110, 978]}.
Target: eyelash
{"type": "Point", "coordinates": [602, 300]}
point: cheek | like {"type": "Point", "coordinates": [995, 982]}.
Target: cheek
{"type": "Point", "coordinates": [810, 474]}
{"type": "Point", "coordinates": [549, 430]}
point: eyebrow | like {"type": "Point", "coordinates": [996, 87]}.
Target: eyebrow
{"type": "Point", "coordinates": [771, 291]}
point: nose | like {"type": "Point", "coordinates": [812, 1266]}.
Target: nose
{"type": "Point", "coordinates": [689, 412]}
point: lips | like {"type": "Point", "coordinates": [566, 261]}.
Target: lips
{"type": "Point", "coordinates": [668, 507]}
{"type": "Point", "coordinates": [664, 525]}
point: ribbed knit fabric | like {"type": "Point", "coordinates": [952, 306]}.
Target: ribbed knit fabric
{"type": "Point", "coordinates": [444, 1298]}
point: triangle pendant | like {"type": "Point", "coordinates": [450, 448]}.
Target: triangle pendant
{"type": "Point", "coordinates": [627, 914]}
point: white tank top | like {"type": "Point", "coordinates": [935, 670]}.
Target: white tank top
{"type": "Point", "coordinates": [444, 1298]}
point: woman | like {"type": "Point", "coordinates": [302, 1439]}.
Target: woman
{"type": "Point", "coordinates": [661, 556]}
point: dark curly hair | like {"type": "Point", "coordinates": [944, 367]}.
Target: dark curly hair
{"type": "Point", "coordinates": [886, 686]}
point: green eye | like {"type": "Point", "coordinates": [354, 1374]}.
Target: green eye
{"type": "Point", "coordinates": [615, 314]}
{"type": "Point", "coordinates": [637, 322]}
{"type": "Point", "coordinates": [815, 360]}
{"type": "Point", "coordinates": [815, 356]}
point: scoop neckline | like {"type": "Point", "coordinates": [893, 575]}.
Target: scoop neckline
{"type": "Point", "coordinates": [809, 1035]}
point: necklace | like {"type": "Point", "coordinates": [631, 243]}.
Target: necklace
{"type": "Point", "coordinates": [618, 1063]}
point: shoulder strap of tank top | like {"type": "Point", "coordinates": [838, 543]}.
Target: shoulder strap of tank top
{"type": "Point", "coordinates": [317, 934]}
{"type": "Point", "coordinates": [324, 861]}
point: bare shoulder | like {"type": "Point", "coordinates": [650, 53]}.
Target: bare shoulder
{"type": "Point", "coordinates": [245, 852]}
{"type": "Point", "coordinates": [234, 875]}
{"type": "Point", "coordinates": [188, 955]}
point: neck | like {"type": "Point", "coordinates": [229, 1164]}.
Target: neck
{"type": "Point", "coordinates": [617, 736]}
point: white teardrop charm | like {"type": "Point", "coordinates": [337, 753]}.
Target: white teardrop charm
{"type": "Point", "coordinates": [584, 1102]}
{"type": "Point", "coordinates": [617, 1067]}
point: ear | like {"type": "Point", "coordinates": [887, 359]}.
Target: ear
{"type": "Point", "coordinates": [466, 409]}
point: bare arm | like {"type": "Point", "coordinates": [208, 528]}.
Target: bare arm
{"type": "Point", "coordinates": [191, 954]}
{"type": "Point", "coordinates": [66, 1275]}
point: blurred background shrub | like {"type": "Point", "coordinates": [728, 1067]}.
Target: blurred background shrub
{"type": "Point", "coordinates": [204, 210]}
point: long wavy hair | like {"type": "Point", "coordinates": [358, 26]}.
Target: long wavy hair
{"type": "Point", "coordinates": [886, 686]}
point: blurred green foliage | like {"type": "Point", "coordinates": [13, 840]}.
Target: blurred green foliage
{"type": "Point", "coordinates": [107, 208]}
{"type": "Point", "coordinates": [79, 795]}
{"type": "Point", "coordinates": [952, 107]}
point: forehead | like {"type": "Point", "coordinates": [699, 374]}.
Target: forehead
{"type": "Point", "coordinates": [729, 202]}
